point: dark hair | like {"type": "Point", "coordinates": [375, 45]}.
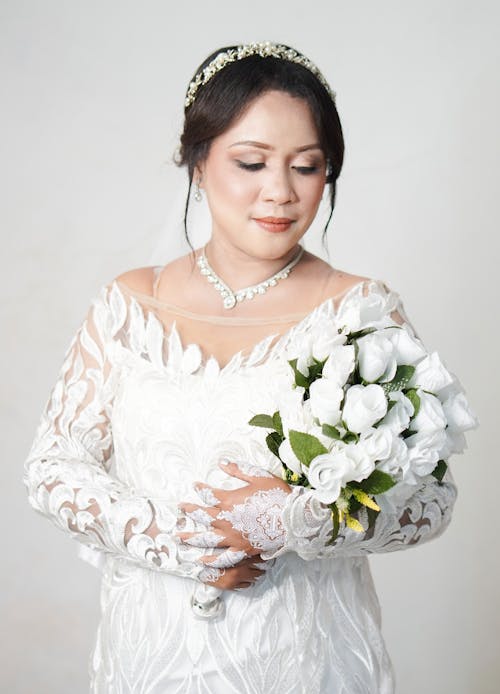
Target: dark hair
{"type": "Point", "coordinates": [225, 96]}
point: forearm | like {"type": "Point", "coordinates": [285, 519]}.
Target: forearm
{"type": "Point", "coordinates": [82, 499]}
{"type": "Point", "coordinates": [422, 517]}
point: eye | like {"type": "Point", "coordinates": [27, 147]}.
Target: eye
{"type": "Point", "coordinates": [305, 170]}
{"type": "Point", "coordinates": [249, 167]}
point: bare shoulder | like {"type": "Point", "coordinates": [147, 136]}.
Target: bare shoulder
{"type": "Point", "coordinates": [140, 279]}
{"type": "Point", "coordinates": [340, 281]}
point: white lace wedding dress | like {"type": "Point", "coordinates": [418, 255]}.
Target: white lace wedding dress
{"type": "Point", "coordinates": [136, 415]}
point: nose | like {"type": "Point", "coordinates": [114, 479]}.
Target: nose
{"type": "Point", "coordinates": [278, 187]}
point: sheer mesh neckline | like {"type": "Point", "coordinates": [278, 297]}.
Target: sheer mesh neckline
{"type": "Point", "coordinates": [190, 356]}
{"type": "Point", "coordinates": [228, 320]}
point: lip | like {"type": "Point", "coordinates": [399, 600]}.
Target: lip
{"type": "Point", "coordinates": [274, 224]}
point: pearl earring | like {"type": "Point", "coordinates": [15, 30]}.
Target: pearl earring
{"type": "Point", "coordinates": [197, 192]}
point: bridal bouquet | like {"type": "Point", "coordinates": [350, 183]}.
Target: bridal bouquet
{"type": "Point", "coordinates": [369, 412]}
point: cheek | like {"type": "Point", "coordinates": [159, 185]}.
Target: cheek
{"type": "Point", "coordinates": [231, 188]}
{"type": "Point", "coordinates": [313, 193]}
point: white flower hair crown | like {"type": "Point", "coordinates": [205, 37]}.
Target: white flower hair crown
{"type": "Point", "coordinates": [265, 49]}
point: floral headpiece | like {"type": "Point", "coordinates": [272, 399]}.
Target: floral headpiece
{"type": "Point", "coordinates": [265, 49]}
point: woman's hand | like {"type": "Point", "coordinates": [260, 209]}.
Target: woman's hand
{"type": "Point", "coordinates": [238, 577]}
{"type": "Point", "coordinates": [240, 522]}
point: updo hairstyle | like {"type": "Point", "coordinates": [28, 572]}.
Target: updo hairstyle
{"type": "Point", "coordinates": [223, 99]}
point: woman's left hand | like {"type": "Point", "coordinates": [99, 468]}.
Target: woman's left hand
{"type": "Point", "coordinates": [247, 519]}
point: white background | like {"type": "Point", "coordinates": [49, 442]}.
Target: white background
{"type": "Point", "coordinates": [92, 98]}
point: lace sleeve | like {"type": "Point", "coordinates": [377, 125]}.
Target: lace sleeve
{"type": "Point", "coordinates": [410, 513]}
{"type": "Point", "coordinates": [422, 517]}
{"type": "Point", "coordinates": [67, 471]}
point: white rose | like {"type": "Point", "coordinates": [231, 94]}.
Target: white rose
{"type": "Point", "coordinates": [300, 348]}
{"type": "Point", "coordinates": [349, 317]}
{"type": "Point", "coordinates": [408, 349]}
{"type": "Point", "coordinates": [458, 414]}
{"type": "Point", "coordinates": [398, 461]}
{"type": "Point", "coordinates": [375, 310]}
{"type": "Point", "coordinates": [329, 472]}
{"type": "Point", "coordinates": [340, 364]}
{"type": "Point", "coordinates": [364, 405]}
{"type": "Point", "coordinates": [430, 374]}
{"type": "Point", "coordinates": [325, 397]}
{"type": "Point", "coordinates": [376, 358]}
{"type": "Point", "coordinates": [431, 416]}
{"type": "Point", "coordinates": [325, 337]}
{"type": "Point", "coordinates": [361, 465]}
{"type": "Point", "coordinates": [326, 473]}
{"type": "Point", "coordinates": [295, 414]}
{"type": "Point", "coordinates": [424, 450]}
{"type": "Point", "coordinates": [287, 455]}
{"type": "Point", "coordinates": [397, 418]}
{"type": "Point", "coordinates": [377, 442]}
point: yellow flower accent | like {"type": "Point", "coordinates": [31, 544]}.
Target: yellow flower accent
{"type": "Point", "coordinates": [364, 499]}
{"type": "Point", "coordinates": [353, 523]}
{"type": "Point", "coordinates": [295, 477]}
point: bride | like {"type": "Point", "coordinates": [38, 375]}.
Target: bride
{"type": "Point", "coordinates": [216, 576]}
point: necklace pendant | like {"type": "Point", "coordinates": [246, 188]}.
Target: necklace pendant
{"type": "Point", "coordinates": [229, 301]}
{"type": "Point", "coordinates": [229, 298]}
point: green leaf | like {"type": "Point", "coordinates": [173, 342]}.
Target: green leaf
{"type": "Point", "coordinates": [359, 333]}
{"type": "Point", "coordinates": [277, 423]}
{"type": "Point", "coordinates": [350, 437]}
{"type": "Point", "coordinates": [439, 470]}
{"type": "Point", "coordinates": [262, 420]}
{"type": "Point", "coordinates": [300, 379]}
{"type": "Point", "coordinates": [414, 399]}
{"type": "Point", "coordinates": [372, 517]}
{"type": "Point", "coordinates": [305, 446]}
{"type": "Point", "coordinates": [403, 374]}
{"type": "Point", "coordinates": [377, 483]}
{"type": "Point", "coordinates": [335, 522]}
{"type": "Point", "coordinates": [315, 370]}
{"type": "Point", "coordinates": [330, 431]}
{"type": "Point", "coordinates": [273, 441]}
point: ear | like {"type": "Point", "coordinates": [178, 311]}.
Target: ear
{"type": "Point", "coordinates": [198, 174]}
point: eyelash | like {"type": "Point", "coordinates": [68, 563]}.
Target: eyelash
{"type": "Point", "coordinates": [304, 170]}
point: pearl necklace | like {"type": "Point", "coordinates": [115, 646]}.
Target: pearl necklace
{"type": "Point", "coordinates": [232, 298]}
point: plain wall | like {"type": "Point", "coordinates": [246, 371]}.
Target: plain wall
{"type": "Point", "coordinates": [92, 97]}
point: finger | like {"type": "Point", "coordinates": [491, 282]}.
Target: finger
{"type": "Point", "coordinates": [226, 559]}
{"type": "Point", "coordinates": [256, 573]}
{"type": "Point", "coordinates": [210, 538]}
{"type": "Point", "coordinates": [199, 514]}
{"type": "Point", "coordinates": [209, 495]}
{"type": "Point", "coordinates": [243, 585]}
{"type": "Point", "coordinates": [244, 470]}
{"type": "Point", "coordinates": [210, 574]}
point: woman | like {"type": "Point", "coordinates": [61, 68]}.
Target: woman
{"type": "Point", "coordinates": [145, 453]}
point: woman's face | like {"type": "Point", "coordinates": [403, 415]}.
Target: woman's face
{"type": "Point", "coordinates": [268, 164]}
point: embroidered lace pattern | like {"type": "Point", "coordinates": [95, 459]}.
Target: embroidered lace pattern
{"type": "Point", "coordinates": [135, 417]}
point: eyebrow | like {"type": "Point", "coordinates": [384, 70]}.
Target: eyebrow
{"type": "Point", "coordinates": [262, 145]}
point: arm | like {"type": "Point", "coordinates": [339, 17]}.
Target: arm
{"type": "Point", "coordinates": [67, 473]}
{"type": "Point", "coordinates": [423, 517]}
